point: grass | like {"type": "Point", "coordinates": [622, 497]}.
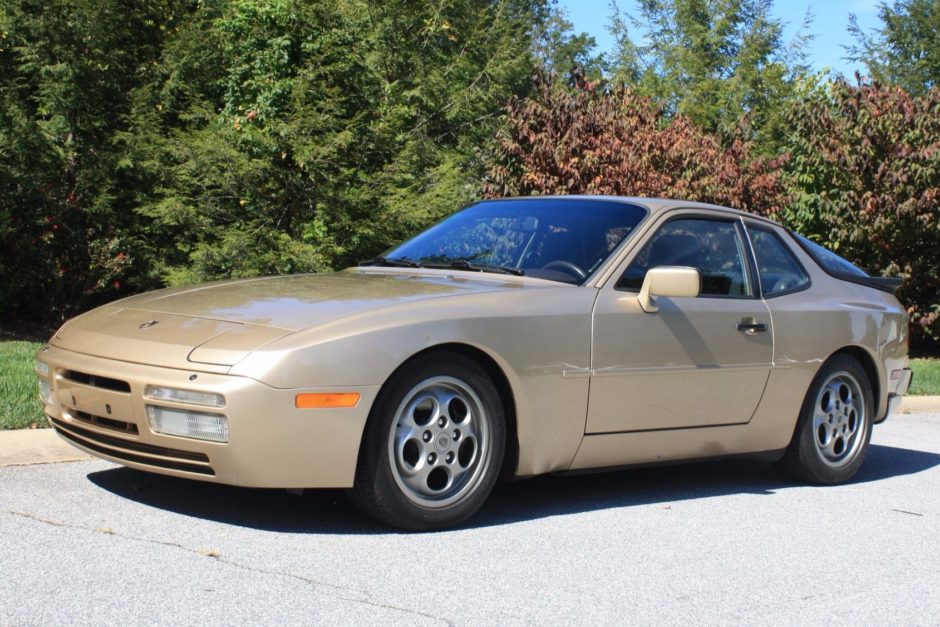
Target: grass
{"type": "Point", "coordinates": [19, 396]}
{"type": "Point", "coordinates": [926, 376]}
{"type": "Point", "coordinates": [20, 407]}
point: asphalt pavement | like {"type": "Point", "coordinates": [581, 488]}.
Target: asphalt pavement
{"type": "Point", "coordinates": [88, 542]}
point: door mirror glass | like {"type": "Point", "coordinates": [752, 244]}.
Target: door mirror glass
{"type": "Point", "coordinates": [668, 281]}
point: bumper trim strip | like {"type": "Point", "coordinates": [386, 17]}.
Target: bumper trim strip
{"type": "Point", "coordinates": [123, 449]}
{"type": "Point", "coordinates": [129, 457]}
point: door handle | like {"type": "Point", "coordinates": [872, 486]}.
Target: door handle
{"type": "Point", "coordinates": [751, 326]}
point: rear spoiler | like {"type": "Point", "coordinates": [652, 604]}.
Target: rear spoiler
{"type": "Point", "coordinates": [889, 284]}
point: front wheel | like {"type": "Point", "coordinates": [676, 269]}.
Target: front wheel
{"type": "Point", "coordinates": [433, 445]}
{"type": "Point", "coordinates": [834, 427]}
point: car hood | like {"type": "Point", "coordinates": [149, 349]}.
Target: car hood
{"type": "Point", "coordinates": [220, 323]}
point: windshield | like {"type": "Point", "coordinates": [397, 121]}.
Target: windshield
{"type": "Point", "coordinates": [561, 239]}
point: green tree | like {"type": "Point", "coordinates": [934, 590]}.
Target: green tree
{"type": "Point", "coordinates": [444, 84]}
{"type": "Point", "coordinates": [66, 69]}
{"type": "Point", "coordinates": [185, 140]}
{"type": "Point", "coordinates": [559, 49]}
{"type": "Point", "coordinates": [248, 139]}
{"type": "Point", "coordinates": [906, 49]}
{"type": "Point", "coordinates": [282, 136]}
{"type": "Point", "coordinates": [713, 61]}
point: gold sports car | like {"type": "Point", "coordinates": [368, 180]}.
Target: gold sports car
{"type": "Point", "coordinates": [517, 337]}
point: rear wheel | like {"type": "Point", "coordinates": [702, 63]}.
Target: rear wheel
{"type": "Point", "coordinates": [433, 445]}
{"type": "Point", "coordinates": [835, 425]}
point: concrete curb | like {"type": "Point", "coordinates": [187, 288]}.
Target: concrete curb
{"type": "Point", "coordinates": [920, 404]}
{"type": "Point", "coordinates": [43, 446]}
{"type": "Point", "coordinates": [36, 446]}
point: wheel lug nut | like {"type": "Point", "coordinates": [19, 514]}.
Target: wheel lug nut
{"type": "Point", "coordinates": [442, 422]}
{"type": "Point", "coordinates": [427, 436]}
{"type": "Point", "coordinates": [456, 434]}
{"type": "Point", "coordinates": [432, 458]}
{"type": "Point", "coordinates": [450, 458]}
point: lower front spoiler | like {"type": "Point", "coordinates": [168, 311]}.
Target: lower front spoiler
{"type": "Point", "coordinates": [146, 455]}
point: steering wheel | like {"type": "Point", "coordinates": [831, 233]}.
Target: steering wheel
{"type": "Point", "coordinates": [565, 266]}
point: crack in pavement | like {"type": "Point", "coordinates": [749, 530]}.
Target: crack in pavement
{"type": "Point", "coordinates": [319, 586]}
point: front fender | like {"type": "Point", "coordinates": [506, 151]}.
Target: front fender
{"type": "Point", "coordinates": [540, 339]}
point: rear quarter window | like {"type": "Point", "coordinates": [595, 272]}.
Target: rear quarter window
{"type": "Point", "coordinates": [830, 262]}
{"type": "Point", "coordinates": [779, 270]}
{"type": "Point", "coordinates": [845, 270]}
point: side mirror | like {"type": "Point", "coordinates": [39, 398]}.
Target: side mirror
{"type": "Point", "coordinates": [668, 281]}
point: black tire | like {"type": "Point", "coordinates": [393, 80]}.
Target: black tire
{"type": "Point", "coordinates": [815, 454]}
{"type": "Point", "coordinates": [395, 455]}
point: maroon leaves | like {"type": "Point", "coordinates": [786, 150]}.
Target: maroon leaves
{"type": "Point", "coordinates": [594, 141]}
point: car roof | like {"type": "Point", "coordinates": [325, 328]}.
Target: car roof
{"type": "Point", "coordinates": [655, 205]}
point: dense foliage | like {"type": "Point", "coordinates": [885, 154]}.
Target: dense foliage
{"type": "Point", "coordinates": [197, 139]}
{"type": "Point", "coordinates": [865, 173]}
{"type": "Point", "coordinates": [66, 72]}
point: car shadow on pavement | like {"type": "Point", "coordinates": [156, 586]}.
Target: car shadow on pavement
{"type": "Point", "coordinates": [570, 494]}
{"type": "Point", "coordinates": [328, 511]}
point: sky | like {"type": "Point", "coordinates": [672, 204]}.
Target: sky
{"type": "Point", "coordinates": [829, 25]}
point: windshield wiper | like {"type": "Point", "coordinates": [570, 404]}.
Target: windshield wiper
{"type": "Point", "coordinates": [463, 264]}
{"type": "Point", "coordinates": [391, 261]}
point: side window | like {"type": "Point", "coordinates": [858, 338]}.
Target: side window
{"type": "Point", "coordinates": [779, 270]}
{"type": "Point", "coordinates": [714, 247]}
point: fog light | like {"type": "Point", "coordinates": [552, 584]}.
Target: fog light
{"type": "Point", "coordinates": [185, 396]}
{"type": "Point", "coordinates": [42, 368]}
{"type": "Point", "coordinates": [45, 391]}
{"type": "Point", "coordinates": [188, 424]}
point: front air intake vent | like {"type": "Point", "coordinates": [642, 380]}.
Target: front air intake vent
{"type": "Point", "coordinates": [108, 423]}
{"type": "Point", "coordinates": [96, 381]}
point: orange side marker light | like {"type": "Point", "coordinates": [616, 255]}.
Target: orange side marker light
{"type": "Point", "coordinates": [326, 400]}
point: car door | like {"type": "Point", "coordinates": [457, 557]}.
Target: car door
{"type": "Point", "coordinates": [696, 362]}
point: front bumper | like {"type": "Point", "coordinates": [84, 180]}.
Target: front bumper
{"type": "Point", "coordinates": [272, 444]}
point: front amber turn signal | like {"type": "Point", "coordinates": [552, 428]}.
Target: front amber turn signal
{"type": "Point", "coordinates": [325, 400]}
